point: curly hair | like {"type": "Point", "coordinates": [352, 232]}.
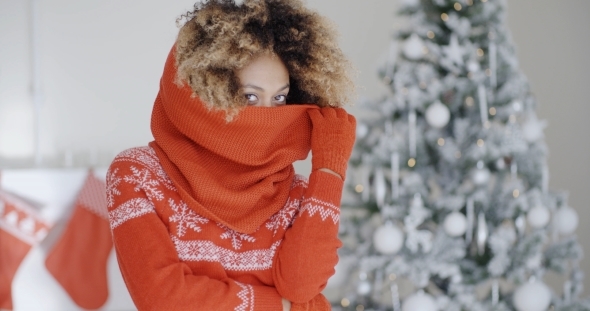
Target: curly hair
{"type": "Point", "coordinates": [219, 37]}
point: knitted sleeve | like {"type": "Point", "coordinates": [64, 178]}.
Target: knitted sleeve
{"type": "Point", "coordinates": [308, 254]}
{"type": "Point", "coordinates": [155, 276]}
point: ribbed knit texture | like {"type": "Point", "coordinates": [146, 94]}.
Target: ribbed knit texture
{"type": "Point", "coordinates": [175, 259]}
{"type": "Point", "coordinates": [236, 173]}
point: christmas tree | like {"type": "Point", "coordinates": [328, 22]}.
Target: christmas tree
{"type": "Point", "coordinates": [453, 210]}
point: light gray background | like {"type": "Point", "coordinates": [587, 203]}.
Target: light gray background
{"type": "Point", "coordinates": [102, 60]}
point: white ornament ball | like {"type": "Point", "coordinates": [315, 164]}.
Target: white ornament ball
{"type": "Point", "coordinates": [532, 296]}
{"type": "Point", "coordinates": [517, 105]}
{"type": "Point", "coordinates": [361, 130]}
{"type": "Point", "coordinates": [501, 164]}
{"type": "Point", "coordinates": [455, 224]}
{"type": "Point", "coordinates": [532, 130]}
{"type": "Point", "coordinates": [419, 302]}
{"type": "Point", "coordinates": [388, 239]}
{"type": "Point", "coordinates": [473, 66]}
{"type": "Point", "coordinates": [364, 288]}
{"type": "Point", "coordinates": [480, 176]}
{"type": "Point", "coordinates": [566, 220]}
{"type": "Point", "coordinates": [414, 47]}
{"type": "Point", "coordinates": [538, 217]}
{"type": "Point", "coordinates": [438, 115]}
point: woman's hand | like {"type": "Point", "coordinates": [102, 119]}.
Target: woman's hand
{"type": "Point", "coordinates": [286, 305]}
{"type": "Point", "coordinates": [332, 139]}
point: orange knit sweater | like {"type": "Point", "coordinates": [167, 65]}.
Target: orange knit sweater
{"type": "Point", "coordinates": [172, 258]}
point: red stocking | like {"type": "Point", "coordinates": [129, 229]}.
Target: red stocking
{"type": "Point", "coordinates": [20, 229]}
{"type": "Point", "coordinates": [79, 259]}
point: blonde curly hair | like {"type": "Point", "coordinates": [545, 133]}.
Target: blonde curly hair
{"type": "Point", "coordinates": [219, 37]}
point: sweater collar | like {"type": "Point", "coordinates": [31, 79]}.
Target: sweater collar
{"type": "Point", "coordinates": [237, 173]}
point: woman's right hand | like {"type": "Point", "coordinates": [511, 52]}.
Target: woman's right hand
{"type": "Point", "coordinates": [332, 139]}
{"type": "Point", "coordinates": [286, 305]}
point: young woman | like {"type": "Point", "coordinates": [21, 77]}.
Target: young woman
{"type": "Point", "coordinates": [211, 215]}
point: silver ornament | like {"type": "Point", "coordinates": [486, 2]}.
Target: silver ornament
{"type": "Point", "coordinates": [482, 233]}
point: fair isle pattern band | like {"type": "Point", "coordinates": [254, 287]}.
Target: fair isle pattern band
{"type": "Point", "coordinates": [299, 181]}
{"type": "Point", "coordinates": [21, 220]}
{"type": "Point", "coordinates": [93, 196]}
{"type": "Point", "coordinates": [324, 209]}
{"type": "Point", "coordinates": [200, 250]}
{"type": "Point", "coordinates": [247, 297]}
{"type": "Point", "coordinates": [131, 209]}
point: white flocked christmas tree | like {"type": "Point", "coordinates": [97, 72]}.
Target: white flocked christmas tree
{"type": "Point", "coordinates": [452, 209]}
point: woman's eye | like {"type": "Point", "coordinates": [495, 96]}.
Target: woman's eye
{"type": "Point", "coordinates": [281, 98]}
{"type": "Point", "coordinates": [251, 98]}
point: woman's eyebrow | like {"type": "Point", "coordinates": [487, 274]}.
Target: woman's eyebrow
{"type": "Point", "coordinates": [261, 89]}
{"type": "Point", "coordinates": [253, 86]}
{"type": "Point", "coordinates": [284, 87]}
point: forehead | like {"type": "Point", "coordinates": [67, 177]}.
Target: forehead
{"type": "Point", "coordinates": [264, 67]}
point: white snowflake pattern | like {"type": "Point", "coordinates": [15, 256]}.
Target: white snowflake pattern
{"type": "Point", "coordinates": [236, 237]}
{"type": "Point", "coordinates": [185, 218]}
{"type": "Point", "coordinates": [285, 217]}
{"type": "Point", "coordinates": [113, 182]}
{"type": "Point", "coordinates": [142, 178]}
{"type": "Point", "coordinates": [146, 156]}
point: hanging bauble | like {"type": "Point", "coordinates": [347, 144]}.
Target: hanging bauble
{"type": "Point", "coordinates": [388, 239]}
{"type": "Point", "coordinates": [361, 130]}
{"type": "Point", "coordinates": [438, 115]}
{"type": "Point", "coordinates": [517, 105]}
{"type": "Point", "coordinates": [414, 47]}
{"type": "Point", "coordinates": [538, 216]}
{"type": "Point", "coordinates": [532, 129]}
{"type": "Point", "coordinates": [473, 66]}
{"type": "Point", "coordinates": [566, 220]}
{"type": "Point", "coordinates": [480, 175]}
{"type": "Point", "coordinates": [364, 288]}
{"type": "Point", "coordinates": [380, 187]}
{"type": "Point", "coordinates": [419, 301]}
{"type": "Point", "coordinates": [501, 164]}
{"type": "Point", "coordinates": [455, 224]}
{"type": "Point", "coordinates": [532, 296]}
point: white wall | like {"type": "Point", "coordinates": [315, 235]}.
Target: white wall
{"type": "Point", "coordinates": [102, 60]}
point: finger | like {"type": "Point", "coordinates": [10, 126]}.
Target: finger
{"type": "Point", "coordinates": [329, 112]}
{"type": "Point", "coordinates": [341, 113]}
{"type": "Point", "coordinates": [352, 119]}
{"type": "Point", "coordinates": [314, 114]}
